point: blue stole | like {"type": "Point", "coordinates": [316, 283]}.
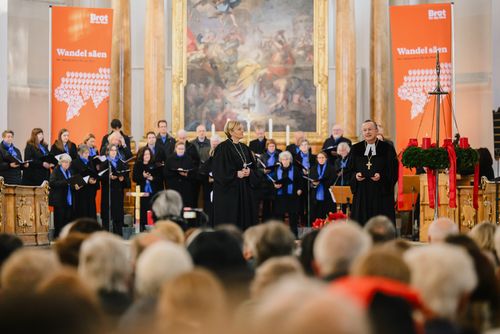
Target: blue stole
{"type": "Point", "coordinates": [163, 139]}
{"type": "Point", "coordinates": [67, 175]}
{"type": "Point", "coordinates": [290, 176]}
{"type": "Point", "coordinates": [42, 149]}
{"type": "Point", "coordinates": [343, 165]}
{"type": "Point", "coordinates": [305, 160]}
{"type": "Point", "coordinates": [85, 161]}
{"type": "Point", "coordinates": [92, 152]}
{"type": "Point", "coordinates": [272, 158]}
{"type": "Point", "coordinates": [320, 190]}
{"type": "Point", "coordinates": [66, 148]}
{"type": "Point", "coordinates": [114, 162]}
{"type": "Point", "coordinates": [10, 149]}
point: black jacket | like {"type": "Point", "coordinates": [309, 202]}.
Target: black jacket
{"type": "Point", "coordinates": [73, 153]}
{"type": "Point", "coordinates": [10, 175]}
{"type": "Point", "coordinates": [58, 189]}
{"type": "Point", "coordinates": [35, 174]}
{"type": "Point", "coordinates": [257, 146]}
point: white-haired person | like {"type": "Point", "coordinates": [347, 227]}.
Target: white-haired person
{"type": "Point", "coordinates": [440, 228]}
{"type": "Point", "coordinates": [167, 205]}
{"type": "Point", "coordinates": [105, 266]}
{"type": "Point", "coordinates": [62, 193]}
{"type": "Point", "coordinates": [336, 248]}
{"type": "Point", "coordinates": [444, 275]}
{"type": "Point", "coordinates": [116, 139]}
{"type": "Point", "coordinates": [332, 143]}
{"type": "Point", "coordinates": [342, 173]}
{"type": "Point", "coordinates": [289, 186]}
{"type": "Point", "coordinates": [157, 264]}
{"type": "Point", "coordinates": [113, 183]}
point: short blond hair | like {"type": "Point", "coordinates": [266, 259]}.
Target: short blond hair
{"type": "Point", "coordinates": [230, 126]}
{"type": "Point", "coordinates": [484, 234]}
{"type": "Point", "coordinates": [168, 230]}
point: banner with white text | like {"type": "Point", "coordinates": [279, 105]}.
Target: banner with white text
{"type": "Point", "coordinates": [418, 32]}
{"type": "Point", "coordinates": [81, 67]}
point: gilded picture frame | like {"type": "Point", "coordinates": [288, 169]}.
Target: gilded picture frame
{"type": "Point", "coordinates": [294, 96]}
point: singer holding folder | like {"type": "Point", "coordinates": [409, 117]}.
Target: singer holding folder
{"type": "Point", "coordinates": [322, 177]}
{"type": "Point", "coordinates": [180, 173]}
{"type": "Point", "coordinates": [234, 171]}
{"type": "Point", "coordinates": [35, 151]}
{"type": "Point", "coordinates": [10, 159]}
{"type": "Point", "coordinates": [62, 194]}
{"type": "Point", "coordinates": [85, 197]}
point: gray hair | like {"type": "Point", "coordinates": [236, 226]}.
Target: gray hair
{"type": "Point", "coordinates": [65, 157]}
{"type": "Point", "coordinates": [440, 228]}
{"type": "Point", "coordinates": [159, 263]}
{"type": "Point", "coordinates": [285, 154]}
{"type": "Point", "coordinates": [443, 274]}
{"type": "Point", "coordinates": [345, 146]}
{"type": "Point", "coordinates": [104, 262]}
{"type": "Point", "coordinates": [215, 137]}
{"type": "Point", "coordinates": [338, 245]}
{"type": "Point", "coordinates": [167, 203]}
{"type": "Point", "coordinates": [181, 132]}
{"type": "Point", "coordinates": [380, 229]}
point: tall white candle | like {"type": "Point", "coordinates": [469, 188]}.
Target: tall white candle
{"type": "Point", "coordinates": [213, 129]}
{"type": "Point", "coordinates": [287, 135]}
{"type": "Point", "coordinates": [270, 128]}
{"type": "Point", "coordinates": [248, 129]}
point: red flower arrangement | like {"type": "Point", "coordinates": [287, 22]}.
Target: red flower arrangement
{"type": "Point", "coordinates": [337, 217]}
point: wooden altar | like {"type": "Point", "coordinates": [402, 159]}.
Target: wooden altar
{"type": "Point", "coordinates": [464, 214]}
{"type": "Point", "coordinates": [24, 211]}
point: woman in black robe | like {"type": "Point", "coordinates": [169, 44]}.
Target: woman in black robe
{"type": "Point", "coordinates": [62, 194]}
{"type": "Point", "coordinates": [85, 197]}
{"type": "Point", "coordinates": [288, 192]}
{"type": "Point", "coordinates": [304, 160]}
{"type": "Point", "coordinates": [120, 180]}
{"type": "Point", "coordinates": [36, 149]}
{"type": "Point", "coordinates": [341, 165]}
{"type": "Point", "coordinates": [323, 175]}
{"type": "Point", "coordinates": [180, 173]}
{"type": "Point", "coordinates": [265, 191]}
{"type": "Point", "coordinates": [147, 175]}
{"type": "Point", "coordinates": [64, 145]}
{"type": "Point", "coordinates": [234, 171]}
{"type": "Point", "coordinates": [89, 140]}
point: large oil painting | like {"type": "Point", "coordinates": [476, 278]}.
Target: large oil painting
{"type": "Point", "coordinates": [252, 60]}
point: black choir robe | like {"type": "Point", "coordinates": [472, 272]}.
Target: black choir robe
{"type": "Point", "coordinates": [85, 197]}
{"type": "Point", "coordinates": [205, 175]}
{"type": "Point", "coordinates": [156, 185]}
{"type": "Point", "coordinates": [304, 204]}
{"type": "Point", "coordinates": [258, 146]}
{"type": "Point", "coordinates": [372, 198]}
{"type": "Point", "coordinates": [289, 203]}
{"type": "Point", "coordinates": [167, 146]}
{"type": "Point", "coordinates": [234, 197]}
{"type": "Point", "coordinates": [320, 208]}
{"type": "Point", "coordinates": [332, 142]}
{"type": "Point", "coordinates": [342, 175]}
{"type": "Point", "coordinates": [115, 197]}
{"type": "Point", "coordinates": [10, 175]}
{"type": "Point", "coordinates": [63, 212]}
{"type": "Point", "coordinates": [73, 153]}
{"type": "Point", "coordinates": [265, 193]}
{"type": "Point", "coordinates": [183, 184]}
{"type": "Point", "coordinates": [35, 174]}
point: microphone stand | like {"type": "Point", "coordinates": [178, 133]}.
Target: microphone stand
{"type": "Point", "coordinates": [110, 222]}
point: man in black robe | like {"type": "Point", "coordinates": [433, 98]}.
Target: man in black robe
{"type": "Point", "coordinates": [234, 173]}
{"type": "Point", "coordinates": [258, 145]}
{"type": "Point", "coordinates": [374, 167]}
{"type": "Point", "coordinates": [331, 143]}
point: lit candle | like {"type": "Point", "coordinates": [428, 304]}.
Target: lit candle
{"type": "Point", "coordinates": [213, 130]}
{"type": "Point", "coordinates": [426, 142]}
{"type": "Point", "coordinates": [463, 142]}
{"type": "Point", "coordinates": [447, 142]}
{"type": "Point", "coordinates": [287, 135]}
{"type": "Point", "coordinates": [270, 128]}
{"type": "Point", "coordinates": [248, 129]}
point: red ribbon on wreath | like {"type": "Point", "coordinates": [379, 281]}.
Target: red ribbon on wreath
{"type": "Point", "coordinates": [431, 182]}
{"type": "Point", "coordinates": [452, 173]}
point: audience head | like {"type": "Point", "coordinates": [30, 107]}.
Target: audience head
{"type": "Point", "coordinates": [337, 246]}
{"type": "Point", "coordinates": [159, 263]}
{"type": "Point", "coordinates": [23, 271]}
{"type": "Point", "coordinates": [273, 270]}
{"type": "Point", "coordinates": [104, 264]}
{"type": "Point", "coordinates": [380, 262]}
{"type": "Point", "coordinates": [250, 237]}
{"type": "Point", "coordinates": [440, 228]}
{"type": "Point", "coordinates": [142, 241]}
{"type": "Point", "coordinates": [165, 204]}
{"type": "Point", "coordinates": [444, 276]}
{"type": "Point", "coordinates": [484, 234]}
{"type": "Point", "coordinates": [233, 231]}
{"type": "Point", "coordinates": [9, 243]}
{"type": "Point", "coordinates": [193, 302]}
{"type": "Point", "coordinates": [380, 228]}
{"type": "Point", "coordinates": [274, 239]}
{"type": "Point", "coordinates": [85, 225]}
{"type": "Point", "coordinates": [170, 231]}
{"type": "Point", "coordinates": [306, 256]}
{"type": "Point", "coordinates": [68, 248]}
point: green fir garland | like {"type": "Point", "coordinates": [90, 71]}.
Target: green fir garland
{"type": "Point", "coordinates": [437, 158]}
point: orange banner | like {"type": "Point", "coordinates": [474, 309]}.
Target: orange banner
{"type": "Point", "coordinates": [418, 32]}
{"type": "Point", "coordinates": [81, 68]}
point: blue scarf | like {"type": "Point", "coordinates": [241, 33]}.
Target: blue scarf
{"type": "Point", "coordinates": [114, 161]}
{"type": "Point", "coordinates": [163, 139]}
{"type": "Point", "coordinates": [290, 176]}
{"type": "Point", "coordinates": [297, 150]}
{"type": "Point", "coordinates": [42, 149]}
{"type": "Point", "coordinates": [92, 152]}
{"type": "Point", "coordinates": [343, 165]}
{"type": "Point", "coordinates": [147, 187]}
{"type": "Point", "coordinates": [67, 175]}
{"type": "Point", "coordinates": [85, 161]}
{"type": "Point", "coordinates": [10, 149]}
{"type": "Point", "coordinates": [320, 190]}
{"type": "Point", "coordinates": [272, 158]}
{"type": "Point", "coordinates": [305, 160]}
{"type": "Point", "coordinates": [66, 148]}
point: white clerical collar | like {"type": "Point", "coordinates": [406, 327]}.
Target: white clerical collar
{"type": "Point", "coordinates": [373, 148]}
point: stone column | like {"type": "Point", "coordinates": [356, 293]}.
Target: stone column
{"type": "Point", "coordinates": [120, 97]}
{"type": "Point", "coordinates": [154, 64]}
{"type": "Point", "coordinates": [379, 63]}
{"type": "Point", "coordinates": [345, 64]}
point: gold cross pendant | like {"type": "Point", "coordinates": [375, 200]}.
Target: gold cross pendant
{"type": "Point", "coordinates": [369, 165]}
